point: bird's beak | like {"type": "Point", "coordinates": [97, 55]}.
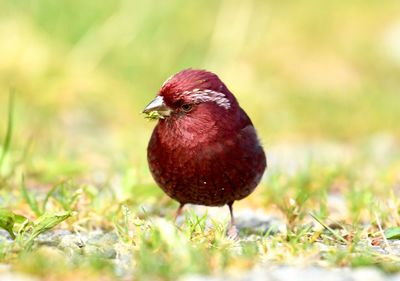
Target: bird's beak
{"type": "Point", "coordinates": [159, 107]}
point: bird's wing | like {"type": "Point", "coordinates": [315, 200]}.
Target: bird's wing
{"type": "Point", "coordinates": [244, 119]}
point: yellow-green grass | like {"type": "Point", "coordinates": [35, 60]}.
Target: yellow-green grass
{"type": "Point", "coordinates": [319, 80]}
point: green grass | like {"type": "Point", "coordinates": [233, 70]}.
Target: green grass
{"type": "Point", "coordinates": [320, 83]}
{"type": "Point", "coordinates": [316, 232]}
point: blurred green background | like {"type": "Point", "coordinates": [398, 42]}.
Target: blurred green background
{"type": "Point", "coordinates": [82, 71]}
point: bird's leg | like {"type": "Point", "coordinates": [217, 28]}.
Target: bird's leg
{"type": "Point", "coordinates": [232, 230]}
{"type": "Point", "coordinates": [179, 211]}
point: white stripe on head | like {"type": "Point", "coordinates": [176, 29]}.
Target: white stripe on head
{"type": "Point", "coordinates": [198, 96]}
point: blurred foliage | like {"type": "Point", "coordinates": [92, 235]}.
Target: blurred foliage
{"type": "Point", "coordinates": [305, 71]}
{"type": "Point", "coordinates": [302, 69]}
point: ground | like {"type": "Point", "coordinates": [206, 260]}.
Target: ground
{"type": "Point", "coordinates": [312, 215]}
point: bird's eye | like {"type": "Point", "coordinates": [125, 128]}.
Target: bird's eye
{"type": "Point", "coordinates": [186, 107]}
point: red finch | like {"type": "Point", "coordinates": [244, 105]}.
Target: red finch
{"type": "Point", "coordinates": [204, 149]}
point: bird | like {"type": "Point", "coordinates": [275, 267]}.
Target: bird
{"type": "Point", "coordinates": [204, 149]}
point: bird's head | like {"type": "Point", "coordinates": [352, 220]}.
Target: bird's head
{"type": "Point", "coordinates": [191, 92]}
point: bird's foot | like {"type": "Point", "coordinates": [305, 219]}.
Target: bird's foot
{"type": "Point", "coordinates": [233, 232]}
{"type": "Point", "coordinates": [177, 218]}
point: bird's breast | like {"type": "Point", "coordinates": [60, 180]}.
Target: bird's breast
{"type": "Point", "coordinates": [210, 172]}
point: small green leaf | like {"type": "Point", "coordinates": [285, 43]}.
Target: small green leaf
{"type": "Point", "coordinates": [44, 223]}
{"type": "Point", "coordinates": [19, 218]}
{"type": "Point", "coordinates": [7, 221]}
{"type": "Point", "coordinates": [392, 233]}
{"type": "Point", "coordinates": [48, 221]}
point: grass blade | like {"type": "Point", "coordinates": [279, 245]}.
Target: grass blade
{"type": "Point", "coordinates": [9, 131]}
{"type": "Point", "coordinates": [48, 195]}
{"type": "Point", "coordinates": [337, 236]}
{"type": "Point", "coordinates": [33, 204]}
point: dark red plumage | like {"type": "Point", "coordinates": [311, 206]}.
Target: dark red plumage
{"type": "Point", "coordinates": [205, 149]}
